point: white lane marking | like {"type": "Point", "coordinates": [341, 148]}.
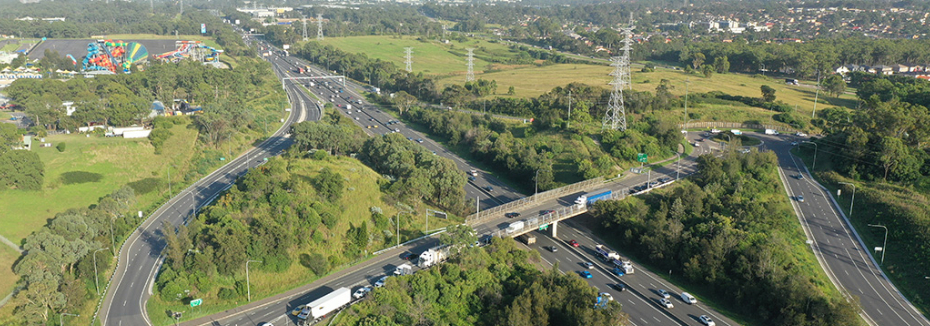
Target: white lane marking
{"type": "Point", "coordinates": [124, 302]}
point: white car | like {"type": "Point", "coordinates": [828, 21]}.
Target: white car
{"type": "Point", "coordinates": [361, 292]}
{"type": "Point", "coordinates": [666, 303]}
{"type": "Point", "coordinates": [589, 265]}
{"type": "Point", "coordinates": [381, 281]}
{"type": "Point", "coordinates": [607, 295]}
{"type": "Point", "coordinates": [664, 294]}
{"type": "Point", "coordinates": [707, 321]}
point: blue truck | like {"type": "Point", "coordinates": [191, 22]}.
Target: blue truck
{"type": "Point", "coordinates": [591, 197]}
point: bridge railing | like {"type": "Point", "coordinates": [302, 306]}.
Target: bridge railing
{"type": "Point", "coordinates": [495, 212]}
{"type": "Point", "coordinates": [733, 125]}
{"type": "Point", "coordinates": [531, 224]}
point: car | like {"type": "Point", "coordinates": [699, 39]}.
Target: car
{"type": "Point", "coordinates": [371, 119]}
{"type": "Point", "coordinates": [574, 243]}
{"type": "Point", "coordinates": [794, 143]}
{"type": "Point", "coordinates": [358, 110]}
{"type": "Point", "coordinates": [419, 140]}
{"type": "Point", "coordinates": [361, 292]}
{"type": "Point", "coordinates": [489, 188]}
{"type": "Point", "coordinates": [618, 271]}
{"type": "Point", "coordinates": [547, 212]}
{"type": "Point", "coordinates": [800, 177]}
{"type": "Point", "coordinates": [588, 265]}
{"type": "Point", "coordinates": [297, 310]}
{"type": "Point", "coordinates": [408, 138]}
{"type": "Point", "coordinates": [304, 313]}
{"type": "Point", "coordinates": [380, 282]}
{"type": "Point", "coordinates": [586, 274]}
{"type": "Point", "coordinates": [396, 129]}
{"type": "Point", "coordinates": [664, 294]}
{"type": "Point", "coordinates": [265, 324]}
{"type": "Point", "coordinates": [707, 321]}
{"type": "Point", "coordinates": [606, 295]}
{"type": "Point", "coordinates": [800, 199]}
{"type": "Point", "coordinates": [696, 144]}
{"type": "Point", "coordinates": [664, 180]}
{"type": "Point", "coordinates": [700, 139]}
{"type": "Point", "coordinates": [666, 303]}
{"type": "Point", "coordinates": [471, 178]}
{"type": "Point", "coordinates": [512, 215]}
{"type": "Point", "coordinates": [618, 286]}
{"type": "Point", "coordinates": [653, 183]}
{"type": "Point", "coordinates": [408, 256]}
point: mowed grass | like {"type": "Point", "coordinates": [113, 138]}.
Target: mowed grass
{"type": "Point", "coordinates": [118, 160]}
{"type": "Point", "coordinates": [429, 57]}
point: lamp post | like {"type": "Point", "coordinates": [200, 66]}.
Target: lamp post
{"type": "Point", "coordinates": [678, 171]}
{"type": "Point", "coordinates": [817, 95]}
{"type": "Point", "coordinates": [885, 243]}
{"type": "Point", "coordinates": [248, 286]}
{"type": "Point", "coordinates": [96, 282]}
{"type": "Point", "coordinates": [536, 180]}
{"type": "Point", "coordinates": [60, 317]}
{"type": "Point", "coordinates": [813, 166]}
{"type": "Point", "coordinates": [853, 201]}
{"type": "Point", "coordinates": [687, 83]}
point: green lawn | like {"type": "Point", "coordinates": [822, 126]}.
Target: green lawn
{"type": "Point", "coordinates": [430, 58]}
{"type": "Point", "coordinates": [4, 116]}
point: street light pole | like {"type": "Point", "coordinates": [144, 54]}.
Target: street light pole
{"type": "Point", "coordinates": [678, 171]}
{"type": "Point", "coordinates": [817, 95]}
{"type": "Point", "coordinates": [60, 317]}
{"type": "Point", "coordinates": [96, 282]}
{"type": "Point", "coordinates": [248, 286]}
{"type": "Point", "coordinates": [813, 166]}
{"type": "Point", "coordinates": [885, 243]}
{"type": "Point", "coordinates": [853, 197]}
{"type": "Point", "coordinates": [687, 83]}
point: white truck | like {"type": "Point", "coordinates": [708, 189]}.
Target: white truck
{"type": "Point", "coordinates": [319, 308]}
{"type": "Point", "coordinates": [515, 226]}
{"type": "Point", "coordinates": [433, 256]}
{"type": "Point", "coordinates": [404, 269]}
{"type": "Point", "coordinates": [771, 132]}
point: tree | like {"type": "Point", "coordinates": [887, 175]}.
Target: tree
{"type": "Point", "coordinates": [707, 70]}
{"type": "Point", "coordinates": [722, 64]}
{"type": "Point", "coordinates": [834, 85]}
{"type": "Point", "coordinates": [329, 184]}
{"type": "Point", "coordinates": [768, 93]}
{"type": "Point", "coordinates": [458, 235]}
{"type": "Point", "coordinates": [21, 170]}
{"type": "Point", "coordinates": [697, 60]}
{"type": "Point", "coordinates": [404, 101]}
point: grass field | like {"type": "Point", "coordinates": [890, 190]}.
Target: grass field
{"type": "Point", "coordinates": [430, 58]}
{"type": "Point", "coordinates": [361, 193]}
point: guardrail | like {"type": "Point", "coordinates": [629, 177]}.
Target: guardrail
{"type": "Point", "coordinates": [733, 125]}
{"type": "Point", "coordinates": [519, 203]}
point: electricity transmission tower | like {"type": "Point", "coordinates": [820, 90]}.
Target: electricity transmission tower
{"type": "Point", "coordinates": [470, 75]}
{"type": "Point", "coordinates": [319, 27]}
{"type": "Point", "coordinates": [408, 58]}
{"type": "Point", "coordinates": [616, 112]}
{"type": "Point", "coordinates": [627, 46]}
{"type": "Point", "coordinates": [304, 20]}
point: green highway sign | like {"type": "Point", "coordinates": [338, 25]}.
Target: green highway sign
{"type": "Point", "coordinates": [641, 157]}
{"type": "Point", "coordinates": [544, 227]}
{"type": "Point", "coordinates": [196, 302]}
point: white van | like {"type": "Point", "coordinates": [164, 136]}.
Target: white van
{"type": "Point", "coordinates": [686, 297]}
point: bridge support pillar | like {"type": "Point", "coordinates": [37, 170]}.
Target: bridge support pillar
{"type": "Point", "coordinates": [555, 228]}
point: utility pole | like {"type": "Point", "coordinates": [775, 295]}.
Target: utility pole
{"type": "Point", "coordinates": [304, 21]}
{"type": "Point", "coordinates": [816, 97]}
{"type": "Point", "coordinates": [169, 180]}
{"type": "Point", "coordinates": [687, 83]}
{"type": "Point", "coordinates": [248, 285]}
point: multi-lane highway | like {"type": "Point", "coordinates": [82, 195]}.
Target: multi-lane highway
{"type": "Point", "coordinates": [837, 246]}
{"type": "Point", "coordinates": [350, 101]}
{"type": "Point", "coordinates": [139, 257]}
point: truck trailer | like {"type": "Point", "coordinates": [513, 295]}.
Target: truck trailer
{"type": "Point", "coordinates": [319, 308]}
{"type": "Point", "coordinates": [433, 256]}
{"type": "Point", "coordinates": [605, 254]}
{"type": "Point", "coordinates": [591, 197]}
{"type": "Point", "coordinates": [403, 269]}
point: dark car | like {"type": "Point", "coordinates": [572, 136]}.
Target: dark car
{"type": "Point", "coordinates": [512, 215]}
{"type": "Point", "coordinates": [470, 178]}
{"type": "Point", "coordinates": [619, 286]}
{"type": "Point", "coordinates": [547, 212]}
{"type": "Point", "coordinates": [408, 256]}
{"type": "Point", "coordinates": [489, 188]}
{"type": "Point", "coordinates": [553, 248]}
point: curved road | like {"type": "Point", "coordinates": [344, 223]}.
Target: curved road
{"type": "Point", "coordinates": [139, 257]}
